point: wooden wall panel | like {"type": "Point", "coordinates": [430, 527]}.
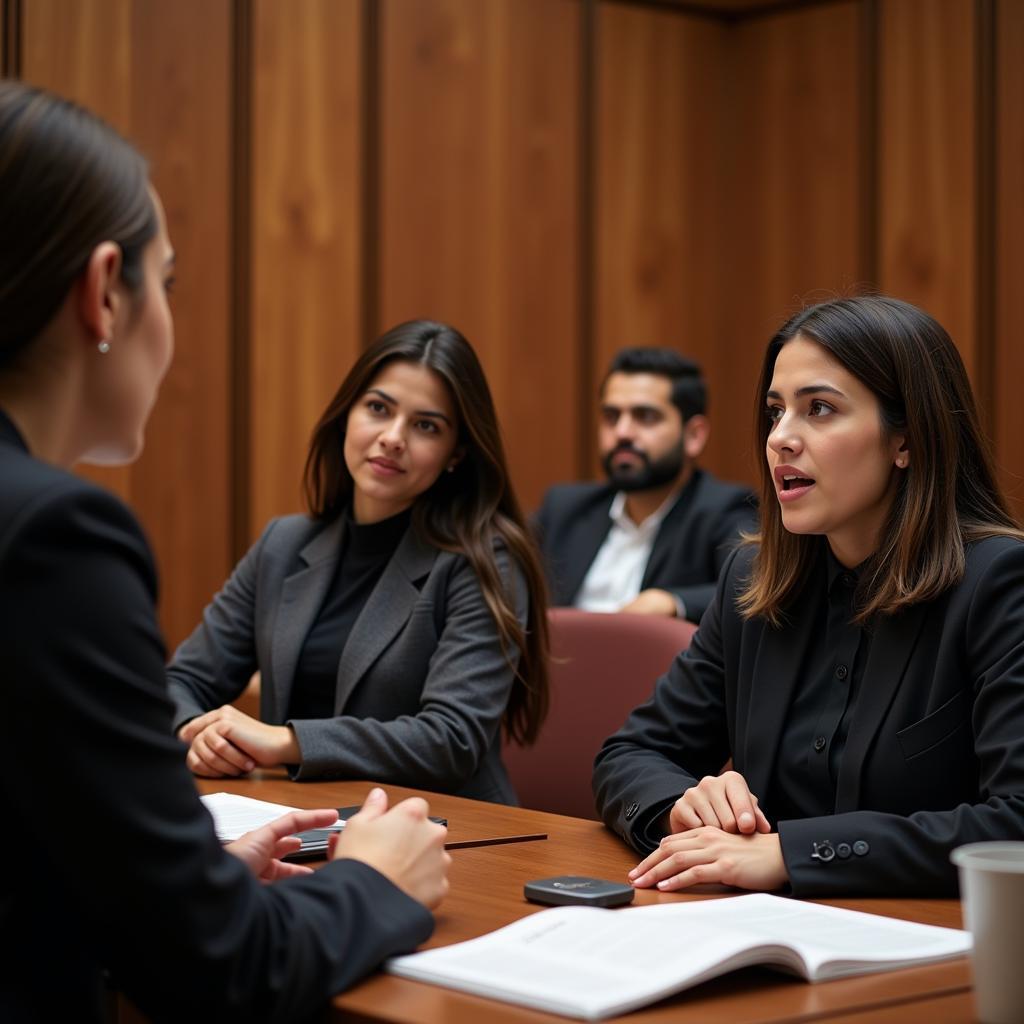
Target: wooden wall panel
{"type": "Point", "coordinates": [84, 52]}
{"type": "Point", "coordinates": [1009, 310]}
{"type": "Point", "coordinates": [146, 69]}
{"type": "Point", "coordinates": [305, 233]}
{"type": "Point", "coordinates": [479, 220]}
{"type": "Point", "coordinates": [658, 139]}
{"type": "Point", "coordinates": [793, 197]}
{"type": "Point", "coordinates": [181, 117]}
{"type": "Point", "coordinates": [927, 222]}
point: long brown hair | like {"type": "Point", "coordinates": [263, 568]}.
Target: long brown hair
{"type": "Point", "coordinates": [465, 511]}
{"type": "Point", "coordinates": [945, 498]}
{"type": "Point", "coordinates": [68, 182]}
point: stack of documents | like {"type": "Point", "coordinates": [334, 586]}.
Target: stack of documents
{"type": "Point", "coordinates": [234, 815]}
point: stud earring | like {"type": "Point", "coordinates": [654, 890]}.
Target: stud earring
{"type": "Point", "coordinates": [451, 468]}
{"type": "Point", "coordinates": [104, 346]}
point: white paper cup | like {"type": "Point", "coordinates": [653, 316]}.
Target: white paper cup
{"type": "Point", "coordinates": [992, 890]}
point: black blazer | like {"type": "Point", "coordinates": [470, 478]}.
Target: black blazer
{"type": "Point", "coordinates": [111, 862]}
{"type": "Point", "coordinates": [691, 547]}
{"type": "Point", "coordinates": [935, 753]}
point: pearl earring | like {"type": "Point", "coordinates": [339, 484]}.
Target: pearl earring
{"type": "Point", "coordinates": [104, 346]}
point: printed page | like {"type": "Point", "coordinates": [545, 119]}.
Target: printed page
{"type": "Point", "coordinates": [585, 961]}
{"type": "Point", "coordinates": [833, 942]}
{"type": "Point", "coordinates": [593, 963]}
{"type": "Point", "coordinates": [235, 815]}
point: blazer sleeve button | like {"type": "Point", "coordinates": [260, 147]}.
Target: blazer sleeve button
{"type": "Point", "coordinates": [823, 851]}
{"type": "Point", "coordinates": [861, 848]}
{"type": "Point", "coordinates": [631, 811]}
{"type": "Point", "coordinates": [843, 851]}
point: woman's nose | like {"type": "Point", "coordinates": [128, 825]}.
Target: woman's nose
{"type": "Point", "coordinates": [784, 437]}
{"type": "Point", "coordinates": [393, 436]}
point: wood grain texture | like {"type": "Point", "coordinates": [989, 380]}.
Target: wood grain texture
{"type": "Point", "coordinates": [658, 177]}
{"type": "Point", "coordinates": [146, 69]}
{"type": "Point", "coordinates": [793, 198]}
{"type": "Point", "coordinates": [487, 892]}
{"type": "Point", "coordinates": [1009, 319]}
{"type": "Point", "coordinates": [84, 52]}
{"type": "Point", "coordinates": [927, 225]}
{"type": "Point", "coordinates": [305, 233]}
{"type": "Point", "coordinates": [479, 108]}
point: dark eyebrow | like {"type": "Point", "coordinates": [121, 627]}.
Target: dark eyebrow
{"type": "Point", "coordinates": [633, 409]}
{"type": "Point", "coordinates": [429, 413]}
{"type": "Point", "coordinates": [810, 389]}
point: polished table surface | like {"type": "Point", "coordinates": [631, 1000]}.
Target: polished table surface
{"type": "Point", "coordinates": [487, 892]}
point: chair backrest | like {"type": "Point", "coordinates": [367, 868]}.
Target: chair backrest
{"type": "Point", "coordinates": [602, 666]}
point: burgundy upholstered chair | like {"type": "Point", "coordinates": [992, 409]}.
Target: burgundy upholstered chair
{"type": "Point", "coordinates": [602, 666]}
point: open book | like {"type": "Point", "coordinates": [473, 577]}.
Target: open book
{"type": "Point", "coordinates": [592, 963]}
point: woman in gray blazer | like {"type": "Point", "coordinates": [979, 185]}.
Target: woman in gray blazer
{"type": "Point", "coordinates": [400, 623]}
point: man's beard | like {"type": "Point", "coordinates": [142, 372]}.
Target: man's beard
{"type": "Point", "coordinates": [649, 473]}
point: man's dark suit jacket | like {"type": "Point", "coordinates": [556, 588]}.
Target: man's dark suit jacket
{"type": "Point", "coordinates": [691, 547]}
{"type": "Point", "coordinates": [110, 861]}
{"type": "Point", "coordinates": [935, 752]}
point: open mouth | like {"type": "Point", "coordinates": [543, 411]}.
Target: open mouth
{"type": "Point", "coordinates": [790, 483]}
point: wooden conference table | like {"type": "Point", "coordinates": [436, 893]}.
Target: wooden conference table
{"type": "Point", "coordinates": [487, 892]}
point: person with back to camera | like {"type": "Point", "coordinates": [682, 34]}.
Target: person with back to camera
{"type": "Point", "coordinates": [113, 869]}
{"type": "Point", "coordinates": [863, 664]}
{"type": "Point", "coordinates": [653, 539]}
{"type": "Point", "coordinates": [402, 621]}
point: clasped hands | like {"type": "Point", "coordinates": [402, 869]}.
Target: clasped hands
{"type": "Point", "coordinates": [716, 833]}
{"type": "Point", "coordinates": [227, 742]}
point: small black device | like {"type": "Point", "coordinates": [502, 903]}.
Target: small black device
{"type": "Point", "coordinates": [591, 892]}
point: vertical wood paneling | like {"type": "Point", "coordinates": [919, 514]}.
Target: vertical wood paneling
{"type": "Point", "coordinates": [84, 52]}
{"type": "Point", "coordinates": [793, 200]}
{"type": "Point", "coordinates": [181, 118]}
{"type": "Point", "coordinates": [305, 231]}
{"type": "Point", "coordinates": [479, 127]}
{"type": "Point", "coordinates": [146, 70]}
{"type": "Point", "coordinates": [928, 145]}
{"type": "Point", "coordinates": [659, 94]}
{"type": "Point", "coordinates": [1009, 309]}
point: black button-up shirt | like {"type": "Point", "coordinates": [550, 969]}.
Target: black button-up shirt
{"type": "Point", "coordinates": [818, 722]}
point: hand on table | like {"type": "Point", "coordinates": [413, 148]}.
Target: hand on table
{"type": "Point", "coordinates": [227, 742]}
{"type": "Point", "coordinates": [709, 854]}
{"type": "Point", "coordinates": [263, 848]}
{"type": "Point", "coordinates": [402, 844]}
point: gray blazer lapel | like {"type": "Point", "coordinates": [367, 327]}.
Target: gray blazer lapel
{"type": "Point", "coordinates": [384, 614]}
{"type": "Point", "coordinates": [894, 642]}
{"type": "Point", "coordinates": [302, 594]}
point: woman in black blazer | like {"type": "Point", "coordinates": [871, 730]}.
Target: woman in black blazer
{"type": "Point", "coordinates": [863, 662]}
{"type": "Point", "coordinates": [402, 621]}
{"type": "Point", "coordinates": [112, 869]}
